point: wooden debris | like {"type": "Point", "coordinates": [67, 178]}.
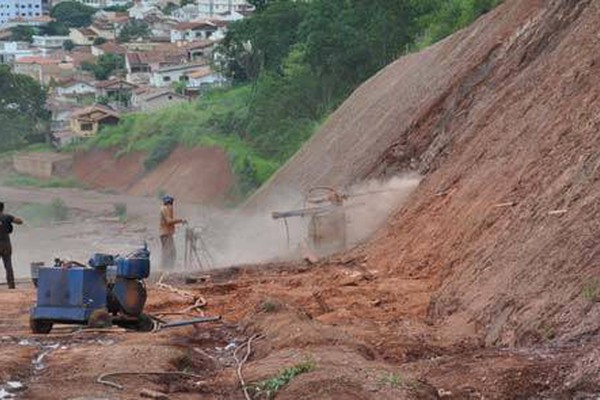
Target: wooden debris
{"type": "Point", "coordinates": [152, 394]}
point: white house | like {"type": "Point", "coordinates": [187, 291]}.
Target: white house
{"type": "Point", "coordinates": [75, 87]}
{"type": "Point", "coordinates": [191, 31]}
{"type": "Point", "coordinates": [9, 51]}
{"type": "Point", "coordinates": [211, 8]}
{"type": "Point", "coordinates": [187, 13]}
{"type": "Point", "coordinates": [165, 76]}
{"type": "Point", "coordinates": [22, 9]}
{"type": "Point", "coordinates": [142, 10]}
{"type": "Point", "coordinates": [203, 79]}
{"type": "Point", "coordinates": [49, 42]}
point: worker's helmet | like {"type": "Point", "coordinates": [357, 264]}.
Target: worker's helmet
{"type": "Point", "coordinates": [167, 200]}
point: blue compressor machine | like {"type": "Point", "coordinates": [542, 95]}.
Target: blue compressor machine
{"type": "Point", "coordinates": [109, 290]}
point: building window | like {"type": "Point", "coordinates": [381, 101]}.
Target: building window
{"type": "Point", "coordinates": [87, 127]}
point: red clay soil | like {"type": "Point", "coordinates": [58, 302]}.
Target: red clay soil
{"type": "Point", "coordinates": [192, 175]}
{"type": "Point", "coordinates": [100, 169]}
{"type": "Point", "coordinates": [501, 119]}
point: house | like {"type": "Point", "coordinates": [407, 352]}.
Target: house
{"type": "Point", "coordinates": [82, 36]}
{"type": "Point", "coordinates": [39, 68]}
{"type": "Point", "coordinates": [202, 80]}
{"type": "Point", "coordinates": [211, 8]}
{"type": "Point", "coordinates": [116, 91]}
{"type": "Point", "coordinates": [61, 113]}
{"type": "Point", "coordinates": [187, 13]}
{"type": "Point", "coordinates": [199, 50]}
{"type": "Point", "coordinates": [142, 10]}
{"type": "Point", "coordinates": [141, 65]}
{"type": "Point", "coordinates": [190, 31]}
{"type": "Point", "coordinates": [88, 121]}
{"type": "Point", "coordinates": [9, 51]}
{"type": "Point", "coordinates": [108, 47]}
{"type": "Point", "coordinates": [165, 76]}
{"type": "Point", "coordinates": [75, 87]}
{"type": "Point", "coordinates": [152, 100]}
{"type": "Point", "coordinates": [49, 42]}
{"type": "Point", "coordinates": [108, 24]}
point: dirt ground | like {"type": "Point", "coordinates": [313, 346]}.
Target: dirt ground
{"type": "Point", "coordinates": [365, 336]}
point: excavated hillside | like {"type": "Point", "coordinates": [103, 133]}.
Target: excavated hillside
{"type": "Point", "coordinates": [502, 121]}
{"type": "Point", "coordinates": [201, 174]}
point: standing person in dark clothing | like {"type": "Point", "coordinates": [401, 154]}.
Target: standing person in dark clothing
{"type": "Point", "coordinates": [6, 228]}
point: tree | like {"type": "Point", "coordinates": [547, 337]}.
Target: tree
{"type": "Point", "coordinates": [55, 28]}
{"type": "Point", "coordinates": [134, 29]}
{"type": "Point", "coordinates": [99, 41]}
{"type": "Point", "coordinates": [116, 8]}
{"type": "Point", "coordinates": [68, 45]}
{"type": "Point", "coordinates": [22, 33]}
{"type": "Point", "coordinates": [22, 114]}
{"type": "Point", "coordinates": [169, 8]}
{"type": "Point", "coordinates": [105, 66]}
{"type": "Point", "coordinates": [73, 14]}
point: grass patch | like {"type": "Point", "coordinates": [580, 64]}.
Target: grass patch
{"type": "Point", "coordinates": [26, 180]}
{"type": "Point", "coordinates": [591, 290]}
{"type": "Point", "coordinates": [392, 380]}
{"type": "Point", "coordinates": [268, 388]}
{"type": "Point", "coordinates": [215, 120]}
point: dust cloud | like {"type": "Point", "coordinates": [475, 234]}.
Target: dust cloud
{"type": "Point", "coordinates": [235, 237]}
{"type": "Point", "coordinates": [228, 236]}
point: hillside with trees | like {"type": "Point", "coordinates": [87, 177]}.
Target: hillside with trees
{"type": "Point", "coordinates": [292, 64]}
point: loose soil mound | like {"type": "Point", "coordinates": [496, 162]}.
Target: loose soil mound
{"type": "Point", "coordinates": [191, 175]}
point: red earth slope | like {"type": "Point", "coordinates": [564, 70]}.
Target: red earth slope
{"type": "Point", "coordinates": [502, 121]}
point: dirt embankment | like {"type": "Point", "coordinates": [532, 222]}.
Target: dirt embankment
{"type": "Point", "coordinates": [501, 119]}
{"type": "Point", "coordinates": [192, 175]}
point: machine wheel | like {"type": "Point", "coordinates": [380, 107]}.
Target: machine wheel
{"type": "Point", "coordinates": [40, 325]}
{"type": "Point", "coordinates": [144, 324]}
{"type": "Point", "coordinates": [99, 319]}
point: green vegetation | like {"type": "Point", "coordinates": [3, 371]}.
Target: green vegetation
{"type": "Point", "coordinates": [19, 180]}
{"type": "Point", "coordinates": [68, 45]}
{"type": "Point", "coordinates": [22, 33]}
{"type": "Point", "coordinates": [590, 290]}
{"type": "Point", "coordinates": [105, 65]}
{"type": "Point", "coordinates": [73, 14]}
{"type": "Point", "coordinates": [37, 214]}
{"type": "Point", "coordinates": [23, 117]}
{"type": "Point", "coordinates": [99, 41]}
{"type": "Point", "coordinates": [393, 380]}
{"type": "Point", "coordinates": [121, 211]}
{"type": "Point", "coordinates": [215, 120]}
{"type": "Point", "coordinates": [122, 8]}
{"type": "Point", "coordinates": [134, 29]}
{"type": "Point", "coordinates": [268, 388]}
{"type": "Point", "coordinates": [292, 64]}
